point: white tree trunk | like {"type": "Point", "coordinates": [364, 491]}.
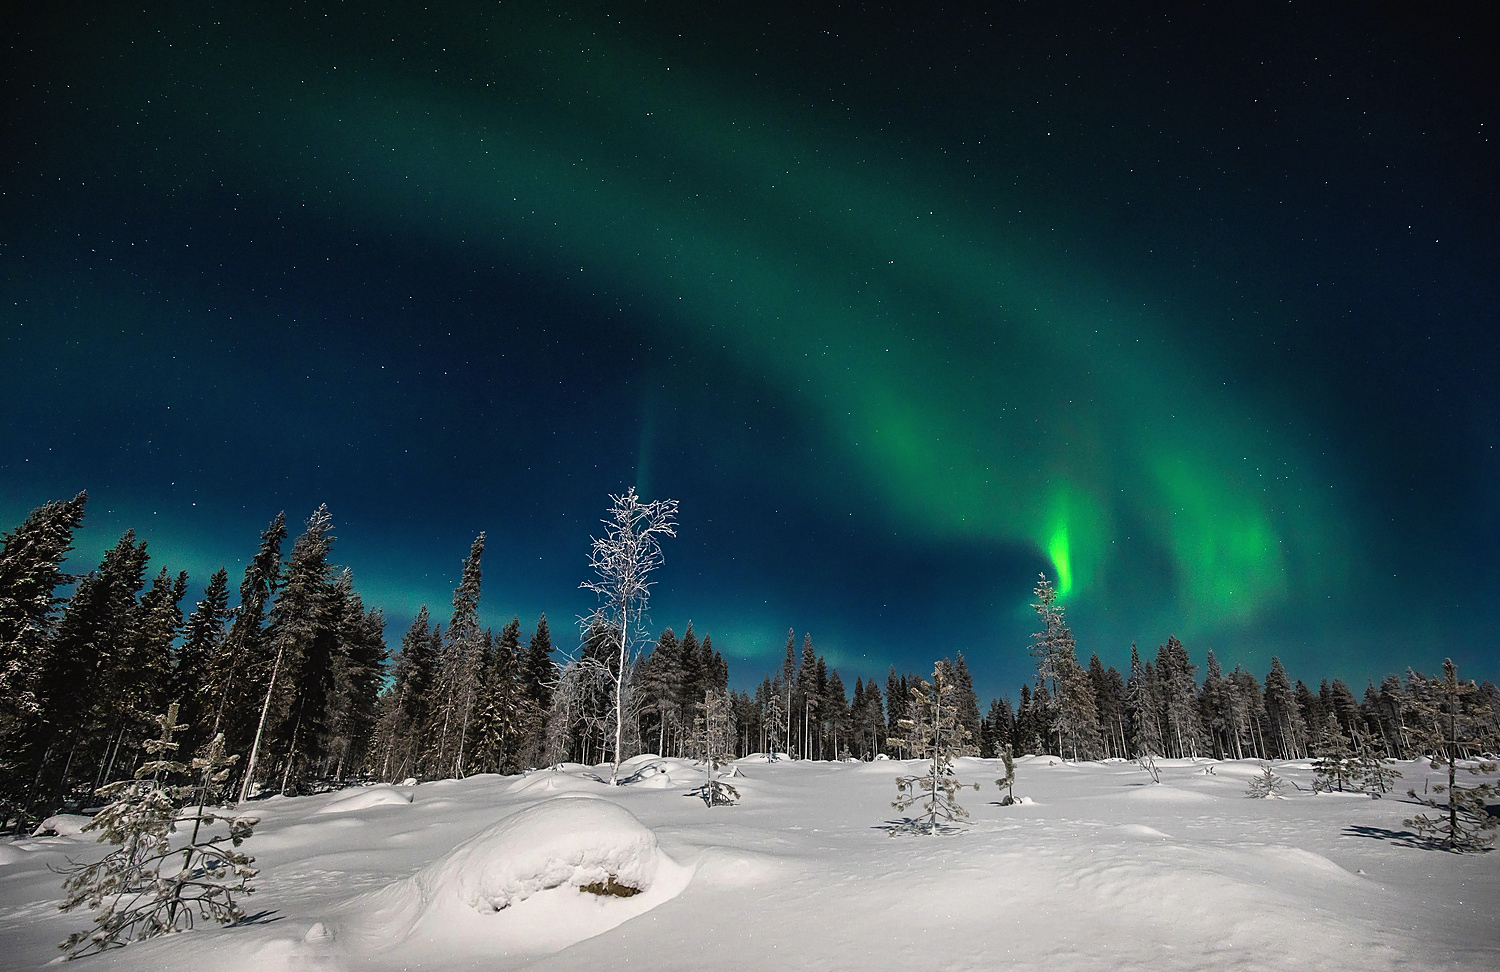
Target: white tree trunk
{"type": "Point", "coordinates": [260, 729]}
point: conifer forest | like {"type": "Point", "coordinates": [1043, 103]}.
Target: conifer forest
{"type": "Point", "coordinates": [303, 681]}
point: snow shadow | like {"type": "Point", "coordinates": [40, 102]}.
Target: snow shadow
{"type": "Point", "coordinates": [1401, 838]}
{"type": "Point", "coordinates": [909, 826]}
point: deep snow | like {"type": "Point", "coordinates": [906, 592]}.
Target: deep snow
{"type": "Point", "coordinates": [1097, 869]}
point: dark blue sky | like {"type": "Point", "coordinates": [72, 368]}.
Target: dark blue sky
{"type": "Point", "coordinates": [1194, 310]}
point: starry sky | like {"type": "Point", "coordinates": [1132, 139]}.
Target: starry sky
{"type": "Point", "coordinates": [1192, 309]}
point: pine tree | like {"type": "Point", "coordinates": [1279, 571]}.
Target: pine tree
{"type": "Point", "coordinates": [1141, 702]}
{"type": "Point", "coordinates": [202, 641]}
{"type": "Point", "coordinates": [1464, 822]}
{"type": "Point", "coordinates": [1287, 726]}
{"type": "Point", "coordinates": [463, 666]}
{"type": "Point", "coordinates": [145, 887]}
{"type": "Point", "coordinates": [298, 619]}
{"type": "Point", "coordinates": [933, 733]}
{"type": "Point", "coordinates": [30, 560]}
{"type": "Point", "coordinates": [1008, 781]}
{"type": "Point", "coordinates": [233, 678]}
{"type": "Point", "coordinates": [540, 669]}
{"type": "Point", "coordinates": [1371, 769]}
{"type": "Point", "coordinates": [1334, 765]}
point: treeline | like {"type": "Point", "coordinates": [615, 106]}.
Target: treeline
{"type": "Point", "coordinates": [297, 678]}
{"type": "Point", "coordinates": [291, 676]}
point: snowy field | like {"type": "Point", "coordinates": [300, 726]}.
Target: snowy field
{"type": "Point", "coordinates": [1098, 870]}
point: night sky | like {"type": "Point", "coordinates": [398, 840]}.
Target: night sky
{"type": "Point", "coordinates": [1195, 311]}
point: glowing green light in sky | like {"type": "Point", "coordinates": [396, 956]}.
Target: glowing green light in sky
{"type": "Point", "coordinates": [1057, 550]}
{"type": "Point", "coordinates": [961, 375]}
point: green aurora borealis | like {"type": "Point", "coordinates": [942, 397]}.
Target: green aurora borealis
{"type": "Point", "coordinates": [1026, 330]}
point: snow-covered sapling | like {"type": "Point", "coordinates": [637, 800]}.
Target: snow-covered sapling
{"type": "Point", "coordinates": [715, 739]}
{"type": "Point", "coordinates": [1008, 781]}
{"type": "Point", "coordinates": [933, 733]}
{"type": "Point", "coordinates": [1267, 785]}
{"type": "Point", "coordinates": [1147, 762]}
{"type": "Point", "coordinates": [145, 887]}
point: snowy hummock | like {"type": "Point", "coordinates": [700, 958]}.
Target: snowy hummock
{"type": "Point", "coordinates": [571, 842]}
{"type": "Point", "coordinates": [1096, 869]}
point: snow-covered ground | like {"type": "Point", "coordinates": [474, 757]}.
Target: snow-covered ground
{"type": "Point", "coordinates": [1098, 870]}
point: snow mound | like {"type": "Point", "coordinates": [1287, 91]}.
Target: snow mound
{"type": "Point", "coordinates": [514, 888]}
{"type": "Point", "coordinates": [373, 796]}
{"type": "Point", "coordinates": [574, 842]}
{"type": "Point", "coordinates": [10, 853]}
{"type": "Point", "coordinates": [1165, 793]}
{"type": "Point", "coordinates": [62, 825]}
{"type": "Point", "coordinates": [550, 781]}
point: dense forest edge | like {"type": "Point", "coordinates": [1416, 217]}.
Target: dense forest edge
{"type": "Point", "coordinates": [298, 678]}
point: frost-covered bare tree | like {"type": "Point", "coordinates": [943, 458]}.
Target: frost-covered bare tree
{"type": "Point", "coordinates": [622, 561]}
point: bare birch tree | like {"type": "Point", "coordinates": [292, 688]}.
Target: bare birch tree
{"type": "Point", "coordinates": [622, 561]}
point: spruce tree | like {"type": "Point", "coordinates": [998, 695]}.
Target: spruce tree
{"type": "Point", "coordinates": [1287, 726]}
{"type": "Point", "coordinates": [1141, 702]}
{"type": "Point", "coordinates": [463, 668]}
{"type": "Point", "coordinates": [31, 557]}
{"type": "Point", "coordinates": [234, 672]}
{"type": "Point", "coordinates": [934, 734]}
{"type": "Point", "coordinates": [1334, 765]}
{"type": "Point", "coordinates": [202, 640]}
{"type": "Point", "coordinates": [541, 671]}
{"type": "Point", "coordinates": [1008, 781]}
{"type": "Point", "coordinates": [298, 619]}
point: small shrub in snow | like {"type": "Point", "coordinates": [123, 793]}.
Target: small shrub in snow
{"type": "Point", "coordinates": [1267, 785]}
{"type": "Point", "coordinates": [1147, 762]}
{"type": "Point", "coordinates": [145, 887]}
{"type": "Point", "coordinates": [934, 733]}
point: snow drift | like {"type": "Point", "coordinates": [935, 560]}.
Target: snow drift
{"type": "Point", "coordinates": [575, 842]}
{"type": "Point", "coordinates": [542, 878]}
